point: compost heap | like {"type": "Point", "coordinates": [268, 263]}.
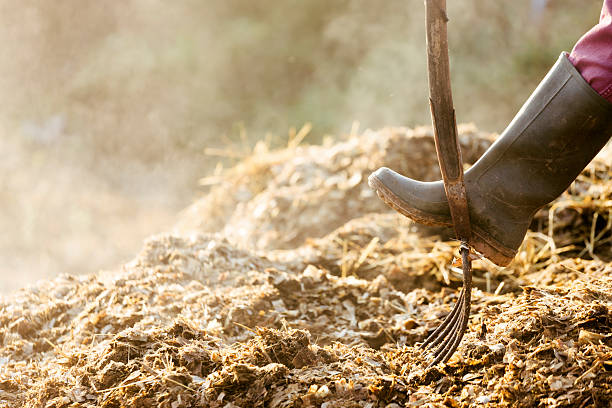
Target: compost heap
{"type": "Point", "coordinates": [291, 285]}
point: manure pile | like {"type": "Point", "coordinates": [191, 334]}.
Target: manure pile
{"type": "Point", "coordinates": [291, 285]}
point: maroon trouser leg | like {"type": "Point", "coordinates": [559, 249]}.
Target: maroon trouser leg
{"type": "Point", "coordinates": [592, 54]}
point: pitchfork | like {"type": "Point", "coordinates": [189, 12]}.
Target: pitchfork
{"type": "Point", "coordinates": [446, 338]}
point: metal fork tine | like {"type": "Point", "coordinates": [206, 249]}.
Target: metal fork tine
{"type": "Point", "coordinates": [444, 329]}
{"type": "Point", "coordinates": [446, 338]}
{"type": "Point", "coordinates": [449, 342]}
{"type": "Point", "coordinates": [465, 312]}
{"type": "Point", "coordinates": [450, 335]}
{"type": "Point", "coordinates": [459, 336]}
{"type": "Point", "coordinates": [445, 323]}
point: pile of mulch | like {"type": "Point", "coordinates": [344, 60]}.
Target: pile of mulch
{"type": "Point", "coordinates": [200, 319]}
{"type": "Point", "coordinates": [279, 199]}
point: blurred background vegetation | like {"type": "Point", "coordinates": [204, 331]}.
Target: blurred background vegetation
{"type": "Point", "coordinates": [107, 107]}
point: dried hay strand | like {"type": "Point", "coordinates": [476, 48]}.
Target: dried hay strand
{"type": "Point", "coordinates": [330, 315]}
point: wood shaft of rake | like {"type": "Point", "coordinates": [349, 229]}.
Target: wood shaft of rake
{"type": "Point", "coordinates": [443, 117]}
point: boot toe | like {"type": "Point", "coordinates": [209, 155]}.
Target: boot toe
{"type": "Point", "coordinates": [424, 202]}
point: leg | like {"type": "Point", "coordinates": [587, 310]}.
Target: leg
{"type": "Point", "coordinates": [592, 54]}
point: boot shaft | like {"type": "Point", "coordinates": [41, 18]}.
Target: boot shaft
{"type": "Point", "coordinates": [554, 136]}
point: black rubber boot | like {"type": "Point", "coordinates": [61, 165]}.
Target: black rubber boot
{"type": "Point", "coordinates": [557, 132]}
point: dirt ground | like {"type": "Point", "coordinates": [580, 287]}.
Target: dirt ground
{"type": "Point", "coordinates": [291, 285]}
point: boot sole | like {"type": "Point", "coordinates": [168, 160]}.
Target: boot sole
{"type": "Point", "coordinates": [480, 241]}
